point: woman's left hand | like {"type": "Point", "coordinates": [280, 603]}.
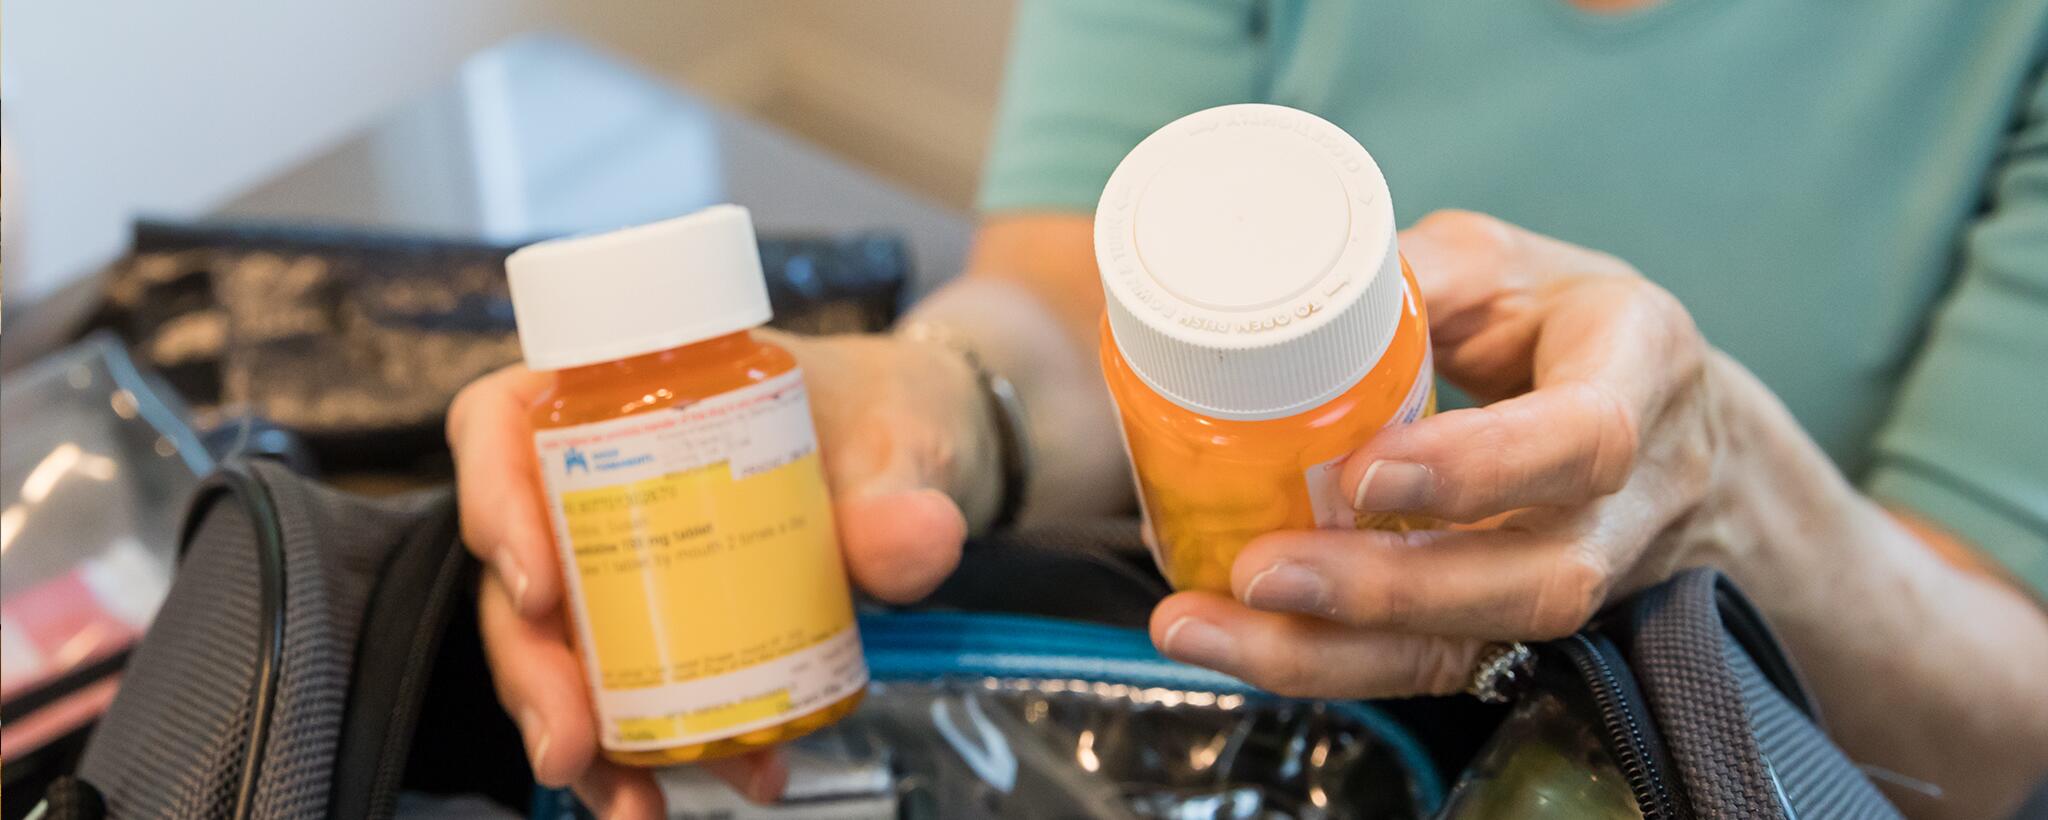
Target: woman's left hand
{"type": "Point", "coordinates": [1597, 454]}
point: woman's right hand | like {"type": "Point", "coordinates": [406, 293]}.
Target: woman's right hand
{"type": "Point", "coordinates": [905, 442]}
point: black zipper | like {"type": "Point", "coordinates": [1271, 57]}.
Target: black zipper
{"type": "Point", "coordinates": [1627, 723]}
{"type": "Point", "coordinates": [419, 664]}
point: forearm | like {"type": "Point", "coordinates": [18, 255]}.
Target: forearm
{"type": "Point", "coordinates": [1922, 668]}
{"type": "Point", "coordinates": [1029, 307]}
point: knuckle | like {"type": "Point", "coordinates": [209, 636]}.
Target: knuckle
{"type": "Point", "coordinates": [1483, 238]}
{"type": "Point", "coordinates": [1472, 491]}
{"type": "Point", "coordinates": [1617, 438]}
{"type": "Point", "coordinates": [1661, 303]}
{"type": "Point", "coordinates": [1383, 602]}
{"type": "Point", "coordinates": [1569, 597]}
{"type": "Point", "coordinates": [1457, 223]}
{"type": "Point", "coordinates": [1683, 347]}
{"type": "Point", "coordinates": [1288, 673]}
{"type": "Point", "coordinates": [1441, 667]}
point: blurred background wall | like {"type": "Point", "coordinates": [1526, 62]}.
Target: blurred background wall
{"type": "Point", "coordinates": [121, 107]}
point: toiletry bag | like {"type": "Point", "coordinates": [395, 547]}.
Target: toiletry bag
{"type": "Point", "coordinates": [318, 657]}
{"type": "Point", "coordinates": [1681, 694]}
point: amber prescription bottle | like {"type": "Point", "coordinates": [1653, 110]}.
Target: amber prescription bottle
{"type": "Point", "coordinates": [1260, 325]}
{"type": "Point", "coordinates": [710, 605]}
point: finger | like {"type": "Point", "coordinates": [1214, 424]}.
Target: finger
{"type": "Point", "coordinates": [757, 776]}
{"type": "Point", "coordinates": [900, 544]}
{"type": "Point", "coordinates": [883, 461]}
{"type": "Point", "coordinates": [1462, 261]}
{"type": "Point", "coordinates": [1300, 656]}
{"type": "Point", "coordinates": [1487, 285]}
{"type": "Point", "coordinates": [1502, 584]}
{"type": "Point", "coordinates": [1465, 260]}
{"type": "Point", "coordinates": [1610, 356]}
{"type": "Point", "coordinates": [497, 485]}
{"type": "Point", "coordinates": [616, 792]}
{"type": "Point", "coordinates": [540, 683]}
{"type": "Point", "coordinates": [1557, 445]}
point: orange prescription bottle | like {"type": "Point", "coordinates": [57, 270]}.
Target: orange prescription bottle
{"type": "Point", "coordinates": [710, 607]}
{"type": "Point", "coordinates": [1260, 325]}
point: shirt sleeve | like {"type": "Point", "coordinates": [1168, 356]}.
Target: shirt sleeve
{"type": "Point", "coordinates": [1966, 445]}
{"type": "Point", "coordinates": [1088, 79]}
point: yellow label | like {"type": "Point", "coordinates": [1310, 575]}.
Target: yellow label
{"type": "Point", "coordinates": [700, 550]}
{"type": "Point", "coordinates": [714, 718]}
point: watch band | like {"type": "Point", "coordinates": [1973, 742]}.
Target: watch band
{"type": "Point", "coordinates": [1006, 419]}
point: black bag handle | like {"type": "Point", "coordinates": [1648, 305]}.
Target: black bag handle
{"type": "Point", "coordinates": [235, 477]}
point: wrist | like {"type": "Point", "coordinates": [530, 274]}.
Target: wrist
{"type": "Point", "coordinates": [993, 470]}
{"type": "Point", "coordinates": [1775, 510]}
{"type": "Point", "coordinates": [1077, 462]}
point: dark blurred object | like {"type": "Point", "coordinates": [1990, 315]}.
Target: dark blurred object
{"type": "Point", "coordinates": [95, 468]}
{"type": "Point", "coordinates": [2037, 806]}
{"type": "Point", "coordinates": [576, 141]}
{"type": "Point", "coordinates": [356, 341]}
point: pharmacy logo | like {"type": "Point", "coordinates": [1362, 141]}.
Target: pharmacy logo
{"type": "Point", "coordinates": [572, 460]}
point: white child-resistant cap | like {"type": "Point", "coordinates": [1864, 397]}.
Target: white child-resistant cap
{"type": "Point", "coordinates": [1248, 255]}
{"type": "Point", "coordinates": [589, 299]}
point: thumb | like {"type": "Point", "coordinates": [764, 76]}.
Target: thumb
{"type": "Point", "coordinates": [894, 427]}
{"type": "Point", "coordinates": [901, 536]}
{"type": "Point", "coordinates": [757, 776]}
{"type": "Point", "coordinates": [900, 543]}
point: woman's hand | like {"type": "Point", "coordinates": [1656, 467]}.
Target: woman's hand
{"type": "Point", "coordinates": [900, 430]}
{"type": "Point", "coordinates": [1598, 452]}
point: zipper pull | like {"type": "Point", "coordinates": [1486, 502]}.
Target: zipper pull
{"type": "Point", "coordinates": [1502, 672]}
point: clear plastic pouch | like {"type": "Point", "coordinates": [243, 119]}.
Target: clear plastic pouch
{"type": "Point", "coordinates": [998, 716]}
{"type": "Point", "coordinates": [95, 468]}
{"type": "Point", "coordinates": [1546, 761]}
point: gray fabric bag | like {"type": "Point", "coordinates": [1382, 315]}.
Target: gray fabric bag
{"type": "Point", "coordinates": [283, 677]}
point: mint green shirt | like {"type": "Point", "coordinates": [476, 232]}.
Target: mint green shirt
{"type": "Point", "coordinates": [1850, 197]}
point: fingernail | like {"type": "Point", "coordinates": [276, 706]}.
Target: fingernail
{"type": "Point", "coordinates": [1288, 587]}
{"type": "Point", "coordinates": [537, 738]}
{"type": "Point", "coordinates": [1192, 640]}
{"type": "Point", "coordinates": [1390, 486]}
{"type": "Point", "coordinates": [515, 578]}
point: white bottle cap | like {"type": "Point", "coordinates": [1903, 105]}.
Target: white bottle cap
{"type": "Point", "coordinates": [1249, 258]}
{"type": "Point", "coordinates": [590, 299]}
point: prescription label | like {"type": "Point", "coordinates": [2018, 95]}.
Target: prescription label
{"type": "Point", "coordinates": [1326, 495]}
{"type": "Point", "coordinates": [703, 567]}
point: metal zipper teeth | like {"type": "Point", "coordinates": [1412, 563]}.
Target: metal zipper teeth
{"type": "Point", "coordinates": [1632, 748]}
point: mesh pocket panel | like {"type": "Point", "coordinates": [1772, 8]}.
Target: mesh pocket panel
{"type": "Point", "coordinates": [187, 700]}
{"type": "Point", "coordinates": [1818, 780]}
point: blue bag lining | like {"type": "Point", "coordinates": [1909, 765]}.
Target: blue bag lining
{"type": "Point", "coordinates": [913, 646]}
